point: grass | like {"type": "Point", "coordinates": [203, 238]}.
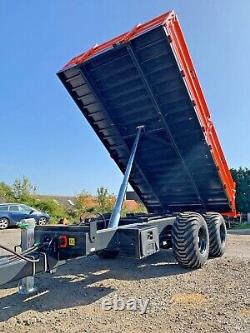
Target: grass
{"type": "Point", "coordinates": [242, 226]}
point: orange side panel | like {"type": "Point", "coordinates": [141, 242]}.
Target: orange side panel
{"type": "Point", "coordinates": [173, 29]}
{"type": "Point", "coordinates": [138, 29]}
{"type": "Point", "coordinates": [186, 66]}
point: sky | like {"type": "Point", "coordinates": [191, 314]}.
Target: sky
{"type": "Point", "coordinates": [43, 134]}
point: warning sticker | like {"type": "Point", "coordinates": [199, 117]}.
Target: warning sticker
{"type": "Point", "coordinates": [72, 241]}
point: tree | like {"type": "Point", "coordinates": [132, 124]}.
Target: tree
{"type": "Point", "coordinates": [105, 200]}
{"type": "Point", "coordinates": [6, 193]}
{"type": "Point", "coordinates": [134, 207]}
{"type": "Point", "coordinates": [52, 207]}
{"type": "Point", "coordinates": [23, 189]}
{"type": "Point", "coordinates": [85, 203]}
{"type": "Point", "coordinates": [241, 177]}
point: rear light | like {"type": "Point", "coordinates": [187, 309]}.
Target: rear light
{"type": "Point", "coordinates": [62, 242]}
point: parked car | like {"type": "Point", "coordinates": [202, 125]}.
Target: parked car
{"type": "Point", "coordinates": [11, 213]}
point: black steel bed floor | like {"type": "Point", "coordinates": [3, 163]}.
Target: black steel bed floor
{"type": "Point", "coordinates": [139, 83]}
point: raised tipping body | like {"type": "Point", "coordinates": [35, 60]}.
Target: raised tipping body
{"type": "Point", "coordinates": [146, 77]}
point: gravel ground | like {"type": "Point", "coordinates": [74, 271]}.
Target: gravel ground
{"type": "Point", "coordinates": [212, 299]}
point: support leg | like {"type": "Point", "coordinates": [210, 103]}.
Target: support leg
{"type": "Point", "coordinates": [116, 213]}
{"type": "Point", "coordinates": [27, 285]}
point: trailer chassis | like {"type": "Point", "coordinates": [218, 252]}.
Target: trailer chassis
{"type": "Point", "coordinates": [136, 237]}
{"type": "Point", "coordinates": [44, 248]}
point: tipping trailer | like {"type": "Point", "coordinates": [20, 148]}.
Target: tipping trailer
{"type": "Point", "coordinates": [141, 95]}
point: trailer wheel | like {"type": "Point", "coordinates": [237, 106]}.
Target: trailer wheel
{"type": "Point", "coordinates": [4, 223]}
{"type": "Point", "coordinates": [107, 254]}
{"type": "Point", "coordinates": [190, 240]}
{"type": "Point", "coordinates": [217, 233]}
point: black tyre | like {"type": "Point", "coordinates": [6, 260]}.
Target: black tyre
{"type": "Point", "coordinates": [107, 254]}
{"type": "Point", "coordinates": [217, 234]}
{"type": "Point", "coordinates": [190, 240]}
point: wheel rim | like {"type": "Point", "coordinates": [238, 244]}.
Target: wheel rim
{"type": "Point", "coordinates": [42, 221]}
{"type": "Point", "coordinates": [4, 223]}
{"type": "Point", "coordinates": [222, 234]}
{"type": "Point", "coordinates": [202, 240]}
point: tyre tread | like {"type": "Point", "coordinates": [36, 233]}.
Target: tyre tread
{"type": "Point", "coordinates": [184, 240]}
{"type": "Point", "coordinates": [214, 220]}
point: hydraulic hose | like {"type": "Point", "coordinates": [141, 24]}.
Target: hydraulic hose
{"type": "Point", "coordinates": [21, 256]}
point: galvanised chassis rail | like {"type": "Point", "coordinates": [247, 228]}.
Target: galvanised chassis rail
{"type": "Point", "coordinates": [137, 237]}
